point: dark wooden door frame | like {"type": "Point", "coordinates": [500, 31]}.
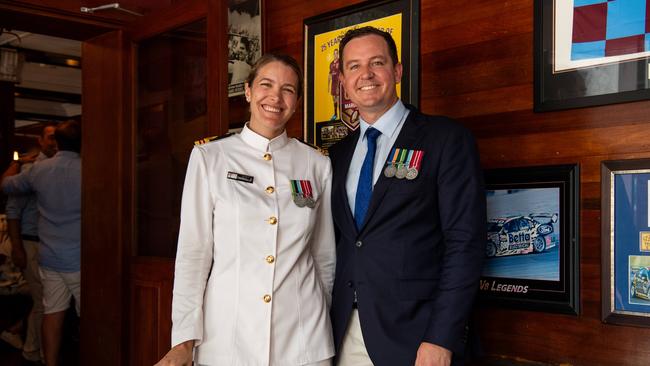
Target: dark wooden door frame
{"type": "Point", "coordinates": [108, 229]}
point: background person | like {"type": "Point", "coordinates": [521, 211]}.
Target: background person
{"type": "Point", "coordinates": [22, 221]}
{"type": "Point", "coordinates": [57, 184]}
{"type": "Point", "coordinates": [255, 260]}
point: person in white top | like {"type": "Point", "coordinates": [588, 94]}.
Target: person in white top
{"type": "Point", "coordinates": [256, 256]}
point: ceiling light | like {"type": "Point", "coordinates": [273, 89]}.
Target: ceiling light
{"type": "Point", "coordinates": [10, 65]}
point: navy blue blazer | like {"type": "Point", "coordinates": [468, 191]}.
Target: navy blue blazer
{"type": "Point", "coordinates": [416, 262]}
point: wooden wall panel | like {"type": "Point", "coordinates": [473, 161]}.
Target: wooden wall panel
{"type": "Point", "coordinates": [103, 273]}
{"type": "Point", "coordinates": [151, 285]}
{"type": "Point", "coordinates": [477, 66]}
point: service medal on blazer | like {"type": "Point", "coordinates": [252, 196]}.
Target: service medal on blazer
{"type": "Point", "coordinates": [415, 164]}
{"type": "Point", "coordinates": [391, 164]}
{"type": "Point", "coordinates": [401, 172]}
{"type": "Point", "coordinates": [390, 171]}
{"type": "Point", "coordinates": [403, 169]}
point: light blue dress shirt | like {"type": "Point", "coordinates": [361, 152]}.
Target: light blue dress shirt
{"type": "Point", "coordinates": [389, 124]}
{"type": "Point", "coordinates": [57, 183]}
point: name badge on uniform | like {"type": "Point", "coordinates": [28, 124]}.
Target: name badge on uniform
{"type": "Point", "coordinates": [403, 163]}
{"type": "Point", "coordinates": [302, 193]}
{"type": "Point", "coordinates": [240, 177]}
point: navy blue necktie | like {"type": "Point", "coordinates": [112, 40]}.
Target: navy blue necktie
{"type": "Point", "coordinates": [364, 187]}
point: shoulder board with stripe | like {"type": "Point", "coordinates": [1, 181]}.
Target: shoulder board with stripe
{"type": "Point", "coordinates": [205, 140]}
{"type": "Point", "coordinates": [320, 150]}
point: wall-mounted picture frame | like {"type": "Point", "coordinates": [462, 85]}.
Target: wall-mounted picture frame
{"type": "Point", "coordinates": [590, 53]}
{"type": "Point", "coordinates": [244, 41]}
{"type": "Point", "coordinates": [328, 115]}
{"type": "Point", "coordinates": [625, 201]}
{"type": "Point", "coordinates": [532, 250]}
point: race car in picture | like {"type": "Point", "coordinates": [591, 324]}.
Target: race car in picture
{"type": "Point", "coordinates": [521, 234]}
{"type": "Point", "coordinates": [640, 286]}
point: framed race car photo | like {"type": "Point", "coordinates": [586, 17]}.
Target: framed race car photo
{"type": "Point", "coordinates": [625, 210]}
{"type": "Point", "coordinates": [532, 249]}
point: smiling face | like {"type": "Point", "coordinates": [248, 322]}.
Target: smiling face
{"type": "Point", "coordinates": [273, 96]}
{"type": "Point", "coordinates": [369, 76]}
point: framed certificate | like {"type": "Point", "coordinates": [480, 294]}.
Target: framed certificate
{"type": "Point", "coordinates": [626, 242]}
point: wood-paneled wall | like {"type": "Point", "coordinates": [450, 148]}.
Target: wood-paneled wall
{"type": "Point", "coordinates": [477, 66]}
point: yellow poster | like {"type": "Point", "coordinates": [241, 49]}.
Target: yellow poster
{"type": "Point", "coordinates": [327, 94]}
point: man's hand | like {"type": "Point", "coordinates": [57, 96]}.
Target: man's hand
{"type": "Point", "coordinates": [179, 355]}
{"type": "Point", "coordinates": [30, 158]}
{"type": "Point", "coordinates": [13, 169]}
{"type": "Point", "coordinates": [430, 354]}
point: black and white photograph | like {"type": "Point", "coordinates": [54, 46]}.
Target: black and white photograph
{"type": "Point", "coordinates": [244, 41]}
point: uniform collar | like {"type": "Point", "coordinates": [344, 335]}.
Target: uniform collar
{"type": "Point", "coordinates": [260, 142]}
{"type": "Point", "coordinates": [388, 122]}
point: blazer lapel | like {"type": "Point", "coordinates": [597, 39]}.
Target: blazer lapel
{"type": "Point", "coordinates": [344, 159]}
{"type": "Point", "coordinates": [407, 137]}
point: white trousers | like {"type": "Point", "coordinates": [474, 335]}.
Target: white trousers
{"type": "Point", "coordinates": [353, 350]}
{"type": "Point", "coordinates": [327, 362]}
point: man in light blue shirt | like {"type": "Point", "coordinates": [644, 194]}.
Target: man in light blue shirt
{"type": "Point", "coordinates": [22, 222]}
{"type": "Point", "coordinates": [57, 184]}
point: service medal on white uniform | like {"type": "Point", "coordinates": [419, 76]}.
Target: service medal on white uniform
{"type": "Point", "coordinates": [302, 193]}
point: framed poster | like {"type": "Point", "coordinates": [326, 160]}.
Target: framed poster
{"type": "Point", "coordinates": [244, 41]}
{"type": "Point", "coordinates": [626, 242]}
{"type": "Point", "coordinates": [329, 115]}
{"type": "Point", "coordinates": [532, 251]}
{"type": "Point", "coordinates": [591, 52]}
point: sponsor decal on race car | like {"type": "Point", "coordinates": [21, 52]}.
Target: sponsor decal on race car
{"type": "Point", "coordinates": [512, 235]}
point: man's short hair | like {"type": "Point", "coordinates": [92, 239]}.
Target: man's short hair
{"type": "Point", "coordinates": [68, 136]}
{"type": "Point", "coordinates": [366, 31]}
{"type": "Point", "coordinates": [45, 126]}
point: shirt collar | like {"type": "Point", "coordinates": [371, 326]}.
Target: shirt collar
{"type": "Point", "coordinates": [388, 122]}
{"type": "Point", "coordinates": [260, 142]}
{"type": "Point", "coordinates": [66, 153]}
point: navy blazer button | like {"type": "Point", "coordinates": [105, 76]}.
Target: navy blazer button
{"type": "Point", "coordinates": [358, 244]}
{"type": "Point", "coordinates": [349, 283]}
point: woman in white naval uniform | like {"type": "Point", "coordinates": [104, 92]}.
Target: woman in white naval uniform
{"type": "Point", "coordinates": [256, 257]}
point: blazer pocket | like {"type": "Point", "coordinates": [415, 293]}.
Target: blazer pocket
{"type": "Point", "coordinates": [417, 289]}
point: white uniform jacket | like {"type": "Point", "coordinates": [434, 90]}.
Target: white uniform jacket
{"type": "Point", "coordinates": [254, 272]}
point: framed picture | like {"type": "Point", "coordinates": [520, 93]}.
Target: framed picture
{"type": "Point", "coordinates": [591, 52]}
{"type": "Point", "coordinates": [626, 242]}
{"type": "Point", "coordinates": [532, 252]}
{"type": "Point", "coordinates": [329, 114]}
{"type": "Point", "coordinates": [244, 41]}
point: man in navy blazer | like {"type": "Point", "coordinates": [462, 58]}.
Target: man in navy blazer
{"type": "Point", "coordinates": [410, 220]}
